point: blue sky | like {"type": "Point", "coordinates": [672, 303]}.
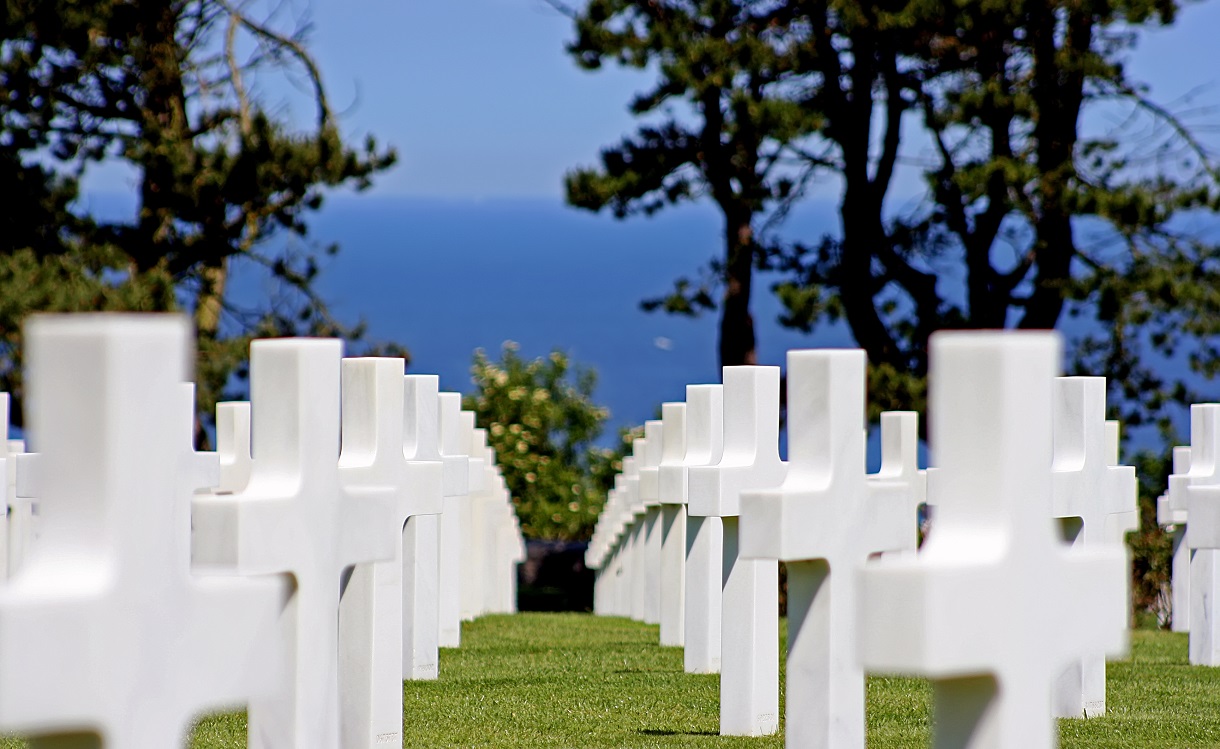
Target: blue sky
{"type": "Point", "coordinates": [482, 101]}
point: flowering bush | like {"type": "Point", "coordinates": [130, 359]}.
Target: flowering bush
{"type": "Point", "coordinates": [542, 422]}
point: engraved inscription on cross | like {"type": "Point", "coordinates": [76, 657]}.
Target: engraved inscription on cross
{"type": "Point", "coordinates": [106, 631]}
{"type": "Point", "coordinates": [825, 521]}
{"type": "Point", "coordinates": [296, 517]}
{"type": "Point", "coordinates": [995, 605]}
{"type": "Point", "coordinates": [375, 418]}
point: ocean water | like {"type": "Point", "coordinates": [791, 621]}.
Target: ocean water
{"type": "Point", "coordinates": [447, 277]}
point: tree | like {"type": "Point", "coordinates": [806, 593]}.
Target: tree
{"type": "Point", "coordinates": [165, 88]}
{"type": "Point", "coordinates": [1030, 218]}
{"type": "Point", "coordinates": [542, 422]}
{"type": "Point", "coordinates": [727, 64]}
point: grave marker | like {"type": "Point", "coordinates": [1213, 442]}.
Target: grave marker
{"type": "Point", "coordinates": [825, 521]}
{"type": "Point", "coordinates": [651, 532]}
{"type": "Point", "coordinates": [106, 630]}
{"type": "Point", "coordinates": [959, 611]}
{"type": "Point", "coordinates": [473, 521]}
{"type": "Point", "coordinates": [749, 669]}
{"type": "Point", "coordinates": [1089, 490]}
{"type": "Point", "coordinates": [671, 490]}
{"type": "Point", "coordinates": [295, 517]}
{"type": "Point", "coordinates": [421, 535]}
{"type": "Point", "coordinates": [702, 615]}
{"type": "Point", "coordinates": [1198, 492]}
{"type": "Point", "coordinates": [233, 445]}
{"type": "Point", "coordinates": [1174, 521]}
{"type": "Point", "coordinates": [456, 465]}
{"type": "Point", "coordinates": [375, 416]}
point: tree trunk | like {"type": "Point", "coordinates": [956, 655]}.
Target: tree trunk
{"type": "Point", "coordinates": [737, 342]}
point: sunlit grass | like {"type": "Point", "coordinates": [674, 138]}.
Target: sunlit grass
{"type": "Point", "coordinates": [574, 680]}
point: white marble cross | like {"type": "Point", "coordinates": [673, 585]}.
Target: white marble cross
{"type": "Point", "coordinates": [499, 553]}
{"type": "Point", "coordinates": [749, 666]}
{"type": "Point", "coordinates": [8, 480]}
{"type": "Point", "coordinates": [600, 557]}
{"type": "Point", "coordinates": [200, 470]}
{"type": "Point", "coordinates": [456, 466]}
{"type": "Point", "coordinates": [233, 445]}
{"type": "Point", "coordinates": [673, 523]}
{"type": "Point", "coordinates": [634, 534]}
{"type": "Point", "coordinates": [995, 605]}
{"type": "Point", "coordinates": [900, 463]}
{"type": "Point", "coordinates": [421, 534]}
{"type": "Point", "coordinates": [295, 517]}
{"type": "Point", "coordinates": [106, 631]}
{"type": "Point", "coordinates": [474, 521]}
{"type": "Point", "coordinates": [614, 550]}
{"type": "Point", "coordinates": [1198, 492]}
{"type": "Point", "coordinates": [371, 609]}
{"type": "Point", "coordinates": [10, 501]}
{"type": "Point", "coordinates": [825, 521]}
{"type": "Point", "coordinates": [650, 496]}
{"type": "Point", "coordinates": [704, 562]}
{"type": "Point", "coordinates": [1089, 490]}
{"type": "Point", "coordinates": [1174, 521]}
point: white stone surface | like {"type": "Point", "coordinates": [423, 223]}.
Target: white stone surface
{"type": "Point", "coordinates": [1198, 493]}
{"type": "Point", "coordinates": [673, 523]}
{"type": "Point", "coordinates": [650, 495]}
{"type": "Point", "coordinates": [637, 537]}
{"type": "Point", "coordinates": [749, 666]}
{"type": "Point", "coordinates": [825, 521]}
{"type": "Point", "coordinates": [1174, 521]}
{"type": "Point", "coordinates": [13, 532]}
{"type": "Point", "coordinates": [456, 483]}
{"type": "Point", "coordinates": [995, 605]}
{"type": "Point", "coordinates": [900, 464]}
{"type": "Point", "coordinates": [474, 521]}
{"type": "Point", "coordinates": [233, 445]}
{"type": "Point", "coordinates": [106, 630]}
{"type": "Point", "coordinates": [200, 471]}
{"type": "Point", "coordinates": [1094, 500]}
{"type": "Point", "coordinates": [371, 610]}
{"type": "Point", "coordinates": [702, 616]}
{"type": "Point", "coordinates": [421, 534]}
{"type": "Point", "coordinates": [296, 518]}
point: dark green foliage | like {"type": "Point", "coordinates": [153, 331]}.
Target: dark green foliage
{"type": "Point", "coordinates": [1151, 546]}
{"type": "Point", "coordinates": [163, 87]}
{"type": "Point", "coordinates": [719, 123]}
{"type": "Point", "coordinates": [1027, 219]}
{"type": "Point", "coordinates": [542, 422]}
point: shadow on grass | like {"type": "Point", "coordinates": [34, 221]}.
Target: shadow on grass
{"type": "Point", "coordinates": [666, 732]}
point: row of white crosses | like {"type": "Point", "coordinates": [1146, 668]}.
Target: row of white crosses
{"type": "Point", "coordinates": [1173, 519]}
{"type": "Point", "coordinates": [1011, 606]}
{"type": "Point", "coordinates": [297, 570]}
{"type": "Point", "coordinates": [1193, 499]}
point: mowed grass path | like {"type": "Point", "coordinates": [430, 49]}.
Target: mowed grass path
{"type": "Point", "coordinates": [568, 681]}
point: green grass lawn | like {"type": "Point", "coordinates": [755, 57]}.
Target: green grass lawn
{"type": "Point", "coordinates": [571, 680]}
